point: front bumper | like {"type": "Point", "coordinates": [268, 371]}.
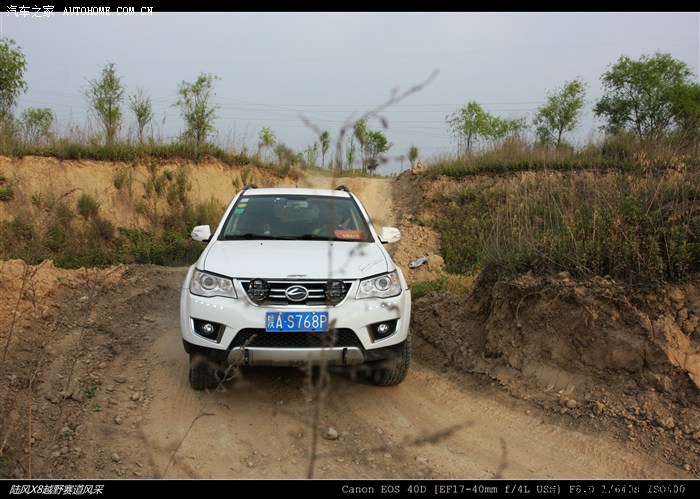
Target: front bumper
{"type": "Point", "coordinates": [347, 356]}
{"type": "Point", "coordinates": [242, 339]}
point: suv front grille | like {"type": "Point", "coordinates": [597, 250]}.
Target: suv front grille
{"type": "Point", "coordinates": [316, 296]}
{"type": "Point", "coordinates": [264, 339]}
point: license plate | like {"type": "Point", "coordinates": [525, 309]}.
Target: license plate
{"type": "Point", "coordinates": [296, 321]}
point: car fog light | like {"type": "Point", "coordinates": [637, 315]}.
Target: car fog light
{"type": "Point", "coordinates": [209, 330]}
{"type": "Point", "coordinates": [382, 330]}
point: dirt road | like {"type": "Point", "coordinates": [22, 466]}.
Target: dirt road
{"type": "Point", "coordinates": [260, 425]}
{"type": "Point", "coordinates": [101, 375]}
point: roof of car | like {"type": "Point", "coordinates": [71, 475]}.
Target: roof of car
{"type": "Point", "coordinates": [303, 191]}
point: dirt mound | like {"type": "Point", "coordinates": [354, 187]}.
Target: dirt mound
{"type": "Point", "coordinates": [589, 350]}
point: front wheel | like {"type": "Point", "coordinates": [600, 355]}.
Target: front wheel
{"type": "Point", "coordinates": [395, 369]}
{"type": "Point", "coordinates": [203, 372]}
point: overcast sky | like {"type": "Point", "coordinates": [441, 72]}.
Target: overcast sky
{"type": "Point", "coordinates": [277, 68]}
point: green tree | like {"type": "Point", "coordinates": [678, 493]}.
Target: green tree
{"type": "Point", "coordinates": [140, 105]}
{"type": "Point", "coordinates": [13, 64]}
{"type": "Point", "coordinates": [467, 125]}
{"type": "Point", "coordinates": [350, 153]}
{"type": "Point", "coordinates": [376, 145]}
{"type": "Point", "coordinates": [285, 156]}
{"type": "Point", "coordinates": [639, 95]}
{"type": "Point", "coordinates": [360, 132]}
{"type": "Point", "coordinates": [36, 123]}
{"type": "Point", "coordinates": [325, 139]}
{"type": "Point", "coordinates": [105, 96]}
{"type": "Point", "coordinates": [686, 109]}
{"type": "Point", "coordinates": [196, 108]}
{"type": "Point", "coordinates": [311, 153]}
{"type": "Point", "coordinates": [412, 155]}
{"type": "Point", "coordinates": [373, 144]}
{"type": "Point", "coordinates": [266, 139]}
{"type": "Point", "coordinates": [561, 113]}
{"type": "Point", "coordinates": [503, 128]}
{"type": "Point", "coordinates": [471, 124]}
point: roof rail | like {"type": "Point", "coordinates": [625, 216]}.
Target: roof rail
{"type": "Point", "coordinates": [250, 186]}
{"type": "Point", "coordinates": [342, 188]}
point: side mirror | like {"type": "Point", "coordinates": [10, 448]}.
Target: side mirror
{"type": "Point", "coordinates": [201, 233]}
{"type": "Point", "coordinates": [389, 235]}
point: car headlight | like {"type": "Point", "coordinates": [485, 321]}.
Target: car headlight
{"type": "Point", "coordinates": [206, 284]}
{"type": "Point", "coordinates": [383, 286]}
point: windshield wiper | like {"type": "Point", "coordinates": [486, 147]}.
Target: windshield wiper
{"type": "Point", "coordinates": [252, 235]}
{"type": "Point", "coordinates": [315, 237]}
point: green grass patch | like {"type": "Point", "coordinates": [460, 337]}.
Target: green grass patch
{"type": "Point", "coordinates": [455, 284]}
{"type": "Point", "coordinates": [68, 149]}
{"type": "Point", "coordinates": [496, 163]}
{"type": "Point", "coordinates": [635, 226]}
{"type": "Point", "coordinates": [619, 154]}
{"type": "Point", "coordinates": [90, 390]}
{"type": "Point", "coordinates": [7, 463]}
{"type": "Point", "coordinates": [6, 191]}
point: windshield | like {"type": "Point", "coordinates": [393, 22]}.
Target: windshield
{"type": "Point", "coordinates": [296, 217]}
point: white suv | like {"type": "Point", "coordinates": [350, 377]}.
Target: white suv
{"type": "Point", "coordinates": [295, 277]}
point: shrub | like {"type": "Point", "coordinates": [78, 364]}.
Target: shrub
{"type": "Point", "coordinates": [205, 213]}
{"type": "Point", "coordinates": [88, 206]}
{"type": "Point", "coordinates": [104, 229]}
{"type": "Point", "coordinates": [6, 192]}
{"type": "Point", "coordinates": [122, 177]}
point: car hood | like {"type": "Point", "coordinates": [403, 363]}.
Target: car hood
{"type": "Point", "coordinates": [295, 259]}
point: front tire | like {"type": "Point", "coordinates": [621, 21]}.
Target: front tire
{"type": "Point", "coordinates": [203, 372]}
{"type": "Point", "coordinates": [393, 371]}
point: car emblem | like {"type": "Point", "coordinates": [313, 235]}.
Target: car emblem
{"type": "Point", "coordinates": [296, 293]}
